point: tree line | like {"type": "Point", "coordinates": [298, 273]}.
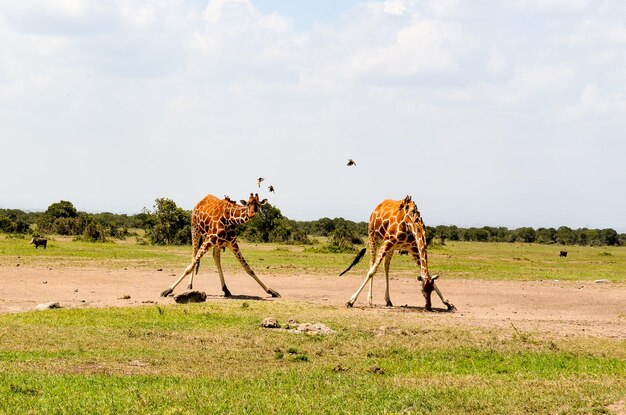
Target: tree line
{"type": "Point", "coordinates": [168, 224]}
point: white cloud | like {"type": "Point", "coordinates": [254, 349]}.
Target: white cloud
{"type": "Point", "coordinates": [395, 7]}
{"type": "Point", "coordinates": [453, 91]}
{"type": "Point", "coordinates": [496, 62]}
{"type": "Point", "coordinates": [597, 32]}
{"type": "Point", "coordinates": [593, 101]}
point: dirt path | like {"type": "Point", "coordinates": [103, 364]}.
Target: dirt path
{"type": "Point", "coordinates": [564, 308]}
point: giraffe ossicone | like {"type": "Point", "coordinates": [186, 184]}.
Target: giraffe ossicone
{"type": "Point", "coordinates": [397, 225]}
{"type": "Point", "coordinates": [213, 223]}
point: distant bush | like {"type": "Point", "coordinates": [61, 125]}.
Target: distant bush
{"type": "Point", "coordinates": [167, 224]}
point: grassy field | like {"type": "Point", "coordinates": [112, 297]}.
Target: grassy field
{"type": "Point", "coordinates": [216, 358]}
{"type": "Point", "coordinates": [488, 261]}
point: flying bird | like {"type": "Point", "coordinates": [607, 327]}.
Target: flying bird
{"type": "Point", "coordinates": [351, 162]}
{"type": "Point", "coordinates": [259, 180]}
{"type": "Point", "coordinates": [271, 189]}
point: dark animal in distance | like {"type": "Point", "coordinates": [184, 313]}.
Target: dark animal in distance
{"type": "Point", "coordinates": [351, 162]}
{"type": "Point", "coordinates": [563, 254]}
{"type": "Point", "coordinates": [259, 180]}
{"type": "Point", "coordinates": [37, 241]}
{"type": "Point", "coordinates": [271, 189]}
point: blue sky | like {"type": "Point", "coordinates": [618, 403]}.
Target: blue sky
{"type": "Point", "coordinates": [488, 113]}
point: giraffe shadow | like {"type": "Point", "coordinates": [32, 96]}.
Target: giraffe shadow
{"type": "Point", "coordinates": [238, 297]}
{"type": "Point", "coordinates": [409, 308]}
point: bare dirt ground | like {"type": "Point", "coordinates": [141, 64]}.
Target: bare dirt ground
{"type": "Point", "coordinates": [561, 308]}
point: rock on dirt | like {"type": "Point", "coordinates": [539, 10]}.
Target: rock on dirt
{"type": "Point", "coordinates": [48, 306]}
{"type": "Point", "coordinates": [190, 296]}
{"type": "Point", "coordinates": [270, 323]}
{"type": "Point", "coordinates": [294, 327]}
{"type": "Point", "coordinates": [309, 328]}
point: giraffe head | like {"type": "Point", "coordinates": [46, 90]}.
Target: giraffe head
{"type": "Point", "coordinates": [253, 204]}
{"type": "Point", "coordinates": [428, 285]}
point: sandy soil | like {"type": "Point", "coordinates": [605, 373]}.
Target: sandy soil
{"type": "Point", "coordinates": [563, 308]}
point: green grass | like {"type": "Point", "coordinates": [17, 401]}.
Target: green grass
{"type": "Point", "coordinates": [215, 358]}
{"type": "Point", "coordinates": [488, 261]}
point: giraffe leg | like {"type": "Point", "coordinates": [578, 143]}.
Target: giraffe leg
{"type": "Point", "coordinates": [195, 243]}
{"type": "Point", "coordinates": [370, 274]}
{"type": "Point", "coordinates": [216, 257]}
{"type": "Point", "coordinates": [190, 268]}
{"type": "Point", "coordinates": [374, 251]}
{"type": "Point", "coordinates": [415, 253]}
{"type": "Point", "coordinates": [387, 263]}
{"type": "Point", "coordinates": [235, 248]}
{"type": "Point", "coordinates": [448, 304]}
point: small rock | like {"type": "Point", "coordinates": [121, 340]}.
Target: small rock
{"type": "Point", "coordinates": [17, 265]}
{"type": "Point", "coordinates": [44, 282]}
{"type": "Point", "coordinates": [48, 306]}
{"type": "Point", "coordinates": [160, 269]}
{"type": "Point", "coordinates": [376, 370]}
{"type": "Point", "coordinates": [124, 297]}
{"type": "Point", "coordinates": [601, 281]}
{"type": "Point", "coordinates": [190, 296]}
{"type": "Point", "coordinates": [340, 368]}
{"type": "Point", "coordinates": [316, 328]}
{"type": "Point", "coordinates": [270, 323]}
{"type": "Point", "coordinates": [76, 290]}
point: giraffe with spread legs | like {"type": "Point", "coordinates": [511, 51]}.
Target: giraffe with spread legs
{"type": "Point", "coordinates": [213, 223]}
{"type": "Point", "coordinates": [395, 225]}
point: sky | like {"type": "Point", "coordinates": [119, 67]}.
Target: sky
{"type": "Point", "coordinates": [488, 113]}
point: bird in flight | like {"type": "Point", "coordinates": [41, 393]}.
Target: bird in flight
{"type": "Point", "coordinates": [351, 162]}
{"type": "Point", "coordinates": [259, 180]}
{"type": "Point", "coordinates": [271, 189]}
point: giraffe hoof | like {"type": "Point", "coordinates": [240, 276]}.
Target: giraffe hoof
{"type": "Point", "coordinates": [451, 307]}
{"type": "Point", "coordinates": [389, 304]}
{"type": "Point", "coordinates": [167, 292]}
{"type": "Point", "coordinates": [190, 287]}
{"type": "Point", "coordinates": [273, 293]}
{"type": "Point", "coordinates": [349, 304]}
{"type": "Point", "coordinates": [226, 291]}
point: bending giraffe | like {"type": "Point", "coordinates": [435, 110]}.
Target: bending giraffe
{"type": "Point", "coordinates": [213, 223]}
{"type": "Point", "coordinates": [397, 224]}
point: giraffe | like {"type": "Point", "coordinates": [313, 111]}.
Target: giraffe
{"type": "Point", "coordinates": [397, 224]}
{"type": "Point", "coordinates": [213, 223]}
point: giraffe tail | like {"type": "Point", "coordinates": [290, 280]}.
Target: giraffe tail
{"type": "Point", "coordinates": [356, 261]}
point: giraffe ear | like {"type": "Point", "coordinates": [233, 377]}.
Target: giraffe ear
{"type": "Point", "coordinates": [243, 202]}
{"type": "Point", "coordinates": [264, 201]}
{"type": "Point", "coordinates": [420, 278]}
{"type": "Point", "coordinates": [434, 277]}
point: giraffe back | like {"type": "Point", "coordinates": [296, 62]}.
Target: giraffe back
{"type": "Point", "coordinates": [214, 216]}
{"type": "Point", "coordinates": [397, 221]}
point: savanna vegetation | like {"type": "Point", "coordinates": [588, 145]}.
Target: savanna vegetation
{"type": "Point", "coordinates": [215, 357]}
{"type": "Point", "coordinates": [455, 259]}
{"type": "Point", "coordinates": [168, 224]}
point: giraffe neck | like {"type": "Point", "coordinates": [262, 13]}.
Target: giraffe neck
{"type": "Point", "coordinates": [238, 214]}
{"type": "Point", "coordinates": [420, 236]}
